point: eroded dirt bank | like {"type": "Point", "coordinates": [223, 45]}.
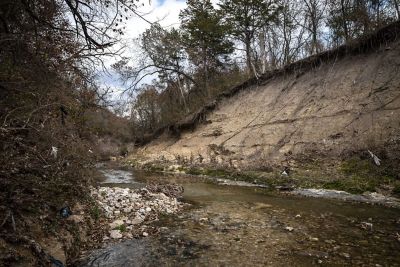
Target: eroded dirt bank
{"type": "Point", "coordinates": [349, 105]}
{"type": "Point", "coordinates": [319, 123]}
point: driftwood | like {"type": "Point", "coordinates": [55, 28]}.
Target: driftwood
{"type": "Point", "coordinates": [363, 45]}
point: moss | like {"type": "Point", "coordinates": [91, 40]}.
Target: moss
{"type": "Point", "coordinates": [181, 169]}
{"type": "Point", "coordinates": [217, 172]}
{"type": "Point", "coordinates": [366, 168]}
{"type": "Point", "coordinates": [356, 166]}
{"type": "Point", "coordinates": [154, 168]}
{"type": "Point", "coordinates": [194, 171]}
{"type": "Point", "coordinates": [121, 227]}
{"type": "Point", "coordinates": [362, 175]}
{"type": "Point", "coordinates": [208, 172]}
{"type": "Point", "coordinates": [247, 176]}
{"type": "Point", "coordinates": [343, 186]}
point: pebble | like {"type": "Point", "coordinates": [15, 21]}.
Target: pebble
{"type": "Point", "coordinates": [145, 234]}
{"type": "Point", "coordinates": [137, 220]}
{"type": "Point", "coordinates": [288, 228]}
{"type": "Point", "coordinates": [115, 234]}
{"type": "Point", "coordinates": [127, 210]}
{"type": "Point", "coordinates": [203, 219]}
{"type": "Point", "coordinates": [346, 255]}
{"type": "Point", "coordinates": [116, 223]}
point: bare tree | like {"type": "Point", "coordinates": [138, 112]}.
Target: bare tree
{"type": "Point", "coordinates": [314, 13]}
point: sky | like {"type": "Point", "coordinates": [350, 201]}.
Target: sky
{"type": "Point", "coordinates": [165, 12]}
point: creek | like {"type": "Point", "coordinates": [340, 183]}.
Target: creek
{"type": "Point", "coordinates": [231, 225]}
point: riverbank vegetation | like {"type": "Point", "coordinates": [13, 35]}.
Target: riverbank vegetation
{"type": "Point", "coordinates": [356, 175]}
{"type": "Point", "coordinates": [49, 112]}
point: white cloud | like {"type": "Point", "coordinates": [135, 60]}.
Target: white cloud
{"type": "Point", "coordinates": [165, 12]}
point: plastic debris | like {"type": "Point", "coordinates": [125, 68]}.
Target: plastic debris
{"type": "Point", "coordinates": [65, 212]}
{"type": "Point", "coordinates": [375, 158]}
{"type": "Point", "coordinates": [54, 151]}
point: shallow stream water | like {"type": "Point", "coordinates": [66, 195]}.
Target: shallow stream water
{"type": "Point", "coordinates": [249, 226]}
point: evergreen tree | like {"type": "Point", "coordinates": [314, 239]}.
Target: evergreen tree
{"type": "Point", "coordinates": [246, 18]}
{"type": "Point", "coordinates": [205, 37]}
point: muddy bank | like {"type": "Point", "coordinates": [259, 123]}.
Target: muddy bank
{"type": "Point", "coordinates": [370, 198]}
{"type": "Point", "coordinates": [359, 180]}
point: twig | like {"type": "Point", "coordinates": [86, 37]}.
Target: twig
{"type": "Point", "coordinates": [13, 222]}
{"type": "Point", "coordinates": [5, 219]}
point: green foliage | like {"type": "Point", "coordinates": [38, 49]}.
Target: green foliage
{"type": "Point", "coordinates": [121, 227]}
{"type": "Point", "coordinates": [205, 34]}
{"type": "Point", "coordinates": [95, 212]}
{"type": "Point", "coordinates": [246, 17]}
{"type": "Point", "coordinates": [363, 175]}
{"type": "Point", "coordinates": [366, 168]}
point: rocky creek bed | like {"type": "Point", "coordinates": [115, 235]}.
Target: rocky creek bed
{"type": "Point", "coordinates": [130, 210]}
{"type": "Point", "coordinates": [232, 225]}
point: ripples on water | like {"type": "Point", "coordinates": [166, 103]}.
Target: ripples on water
{"type": "Point", "coordinates": [245, 226]}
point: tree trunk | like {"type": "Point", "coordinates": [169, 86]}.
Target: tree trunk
{"type": "Point", "coordinates": [205, 70]}
{"type": "Point", "coordinates": [182, 94]}
{"type": "Point", "coordinates": [396, 5]}
{"type": "Point", "coordinates": [344, 19]}
{"type": "Point", "coordinates": [248, 53]}
{"type": "Point", "coordinates": [263, 54]}
{"type": "Point", "coordinates": [314, 28]}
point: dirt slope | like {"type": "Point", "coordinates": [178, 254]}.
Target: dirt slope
{"type": "Point", "coordinates": [343, 106]}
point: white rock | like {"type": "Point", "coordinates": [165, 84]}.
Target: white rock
{"type": "Point", "coordinates": [137, 220]}
{"type": "Point", "coordinates": [145, 234]}
{"type": "Point", "coordinates": [129, 235]}
{"type": "Point", "coordinates": [127, 210]}
{"type": "Point", "coordinates": [148, 209]}
{"type": "Point", "coordinates": [116, 223]}
{"type": "Point", "coordinates": [115, 234]}
{"type": "Point", "coordinates": [288, 228]}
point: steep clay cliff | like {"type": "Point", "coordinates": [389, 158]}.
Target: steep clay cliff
{"type": "Point", "coordinates": [342, 106]}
